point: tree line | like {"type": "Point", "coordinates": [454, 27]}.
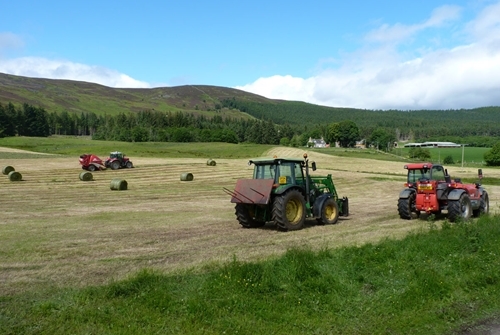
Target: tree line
{"type": "Point", "coordinates": [157, 126]}
{"type": "Point", "coordinates": [406, 125]}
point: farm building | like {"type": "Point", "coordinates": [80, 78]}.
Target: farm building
{"type": "Point", "coordinates": [317, 143]}
{"type": "Point", "coordinates": [433, 145]}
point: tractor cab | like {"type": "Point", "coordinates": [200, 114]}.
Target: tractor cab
{"type": "Point", "coordinates": [116, 155]}
{"type": "Point", "coordinates": [284, 172]}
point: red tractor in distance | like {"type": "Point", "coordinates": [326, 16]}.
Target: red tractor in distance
{"type": "Point", "coordinates": [91, 162]}
{"type": "Point", "coordinates": [117, 160]}
{"type": "Point", "coordinates": [430, 189]}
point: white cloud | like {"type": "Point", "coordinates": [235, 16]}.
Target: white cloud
{"type": "Point", "coordinates": [9, 40]}
{"type": "Point", "coordinates": [400, 32]}
{"type": "Point", "coordinates": [465, 76]}
{"type": "Point", "coordinates": [283, 87]}
{"type": "Point", "coordinates": [61, 69]}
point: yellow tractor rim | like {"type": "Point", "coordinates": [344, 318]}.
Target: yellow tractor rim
{"type": "Point", "coordinates": [294, 211]}
{"type": "Point", "coordinates": [330, 212]}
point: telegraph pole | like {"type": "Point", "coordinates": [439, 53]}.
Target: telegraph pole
{"type": "Point", "coordinates": [463, 147]}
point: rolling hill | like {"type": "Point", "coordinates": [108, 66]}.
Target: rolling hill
{"type": "Point", "coordinates": [83, 97]}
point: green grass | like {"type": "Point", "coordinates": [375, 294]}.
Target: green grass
{"type": "Point", "coordinates": [430, 282]}
{"type": "Point", "coordinates": [473, 156]}
{"type": "Point", "coordinates": [363, 153]}
{"type": "Point", "coordinates": [79, 145]}
{"type": "Point", "coordinates": [69, 145]}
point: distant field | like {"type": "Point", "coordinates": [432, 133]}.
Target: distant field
{"type": "Point", "coordinates": [72, 145]}
{"type": "Point", "coordinates": [473, 156]}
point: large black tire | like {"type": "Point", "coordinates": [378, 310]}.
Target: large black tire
{"type": "Point", "coordinates": [329, 212]}
{"type": "Point", "coordinates": [245, 218]}
{"type": "Point", "coordinates": [91, 168]}
{"type": "Point", "coordinates": [129, 165]}
{"type": "Point", "coordinates": [115, 165]}
{"type": "Point", "coordinates": [289, 210]}
{"type": "Point", "coordinates": [460, 209]}
{"type": "Point", "coordinates": [484, 205]}
{"type": "Point", "coordinates": [406, 206]}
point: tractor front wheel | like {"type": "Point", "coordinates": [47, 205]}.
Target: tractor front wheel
{"type": "Point", "coordinates": [244, 215]}
{"type": "Point", "coordinates": [406, 206]}
{"type": "Point", "coordinates": [129, 165]}
{"type": "Point", "coordinates": [461, 208]}
{"type": "Point", "coordinates": [289, 210]}
{"type": "Point", "coordinates": [329, 212]}
{"type": "Point", "coordinates": [484, 205]}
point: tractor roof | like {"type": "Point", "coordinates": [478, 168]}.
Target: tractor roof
{"type": "Point", "coordinates": [274, 160]}
{"type": "Point", "coordinates": [415, 166]}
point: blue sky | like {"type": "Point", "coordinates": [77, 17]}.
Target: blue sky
{"type": "Point", "coordinates": [375, 55]}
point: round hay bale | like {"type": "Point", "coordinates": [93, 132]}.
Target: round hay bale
{"type": "Point", "coordinates": [15, 176]}
{"type": "Point", "coordinates": [211, 162]}
{"type": "Point", "coordinates": [118, 184]}
{"type": "Point", "coordinates": [7, 169]}
{"type": "Point", "coordinates": [86, 176]}
{"type": "Point", "coordinates": [187, 176]}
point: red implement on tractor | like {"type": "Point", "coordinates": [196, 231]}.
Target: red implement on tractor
{"type": "Point", "coordinates": [91, 162]}
{"type": "Point", "coordinates": [430, 189]}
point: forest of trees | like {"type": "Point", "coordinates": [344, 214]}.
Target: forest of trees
{"type": "Point", "coordinates": [480, 126]}
{"type": "Point", "coordinates": [143, 127]}
{"type": "Point", "coordinates": [379, 129]}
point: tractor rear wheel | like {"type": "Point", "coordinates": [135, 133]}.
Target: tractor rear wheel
{"type": "Point", "coordinates": [484, 205]}
{"type": "Point", "coordinates": [461, 208]}
{"type": "Point", "coordinates": [115, 165]}
{"type": "Point", "coordinates": [329, 212]}
{"type": "Point", "coordinates": [406, 206]}
{"type": "Point", "coordinates": [244, 215]}
{"type": "Point", "coordinates": [289, 210]}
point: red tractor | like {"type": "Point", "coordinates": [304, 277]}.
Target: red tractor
{"type": "Point", "coordinates": [91, 162]}
{"type": "Point", "coordinates": [117, 160]}
{"type": "Point", "coordinates": [430, 189]}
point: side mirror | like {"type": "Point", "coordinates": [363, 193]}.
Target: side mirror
{"type": "Point", "coordinates": [447, 177]}
{"type": "Point", "coordinates": [313, 166]}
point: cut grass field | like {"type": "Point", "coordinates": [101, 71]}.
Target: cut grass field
{"type": "Point", "coordinates": [67, 245]}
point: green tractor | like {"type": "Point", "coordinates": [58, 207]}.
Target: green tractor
{"type": "Point", "coordinates": [282, 191]}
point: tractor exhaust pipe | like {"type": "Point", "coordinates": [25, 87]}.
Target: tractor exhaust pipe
{"type": "Point", "coordinates": [308, 186]}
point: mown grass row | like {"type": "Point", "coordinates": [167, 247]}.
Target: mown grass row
{"type": "Point", "coordinates": [430, 282]}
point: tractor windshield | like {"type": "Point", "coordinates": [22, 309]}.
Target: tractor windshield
{"type": "Point", "coordinates": [284, 173]}
{"type": "Point", "coordinates": [264, 171]}
{"type": "Point", "coordinates": [115, 155]}
{"type": "Point", "coordinates": [438, 173]}
{"type": "Point", "coordinates": [416, 174]}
